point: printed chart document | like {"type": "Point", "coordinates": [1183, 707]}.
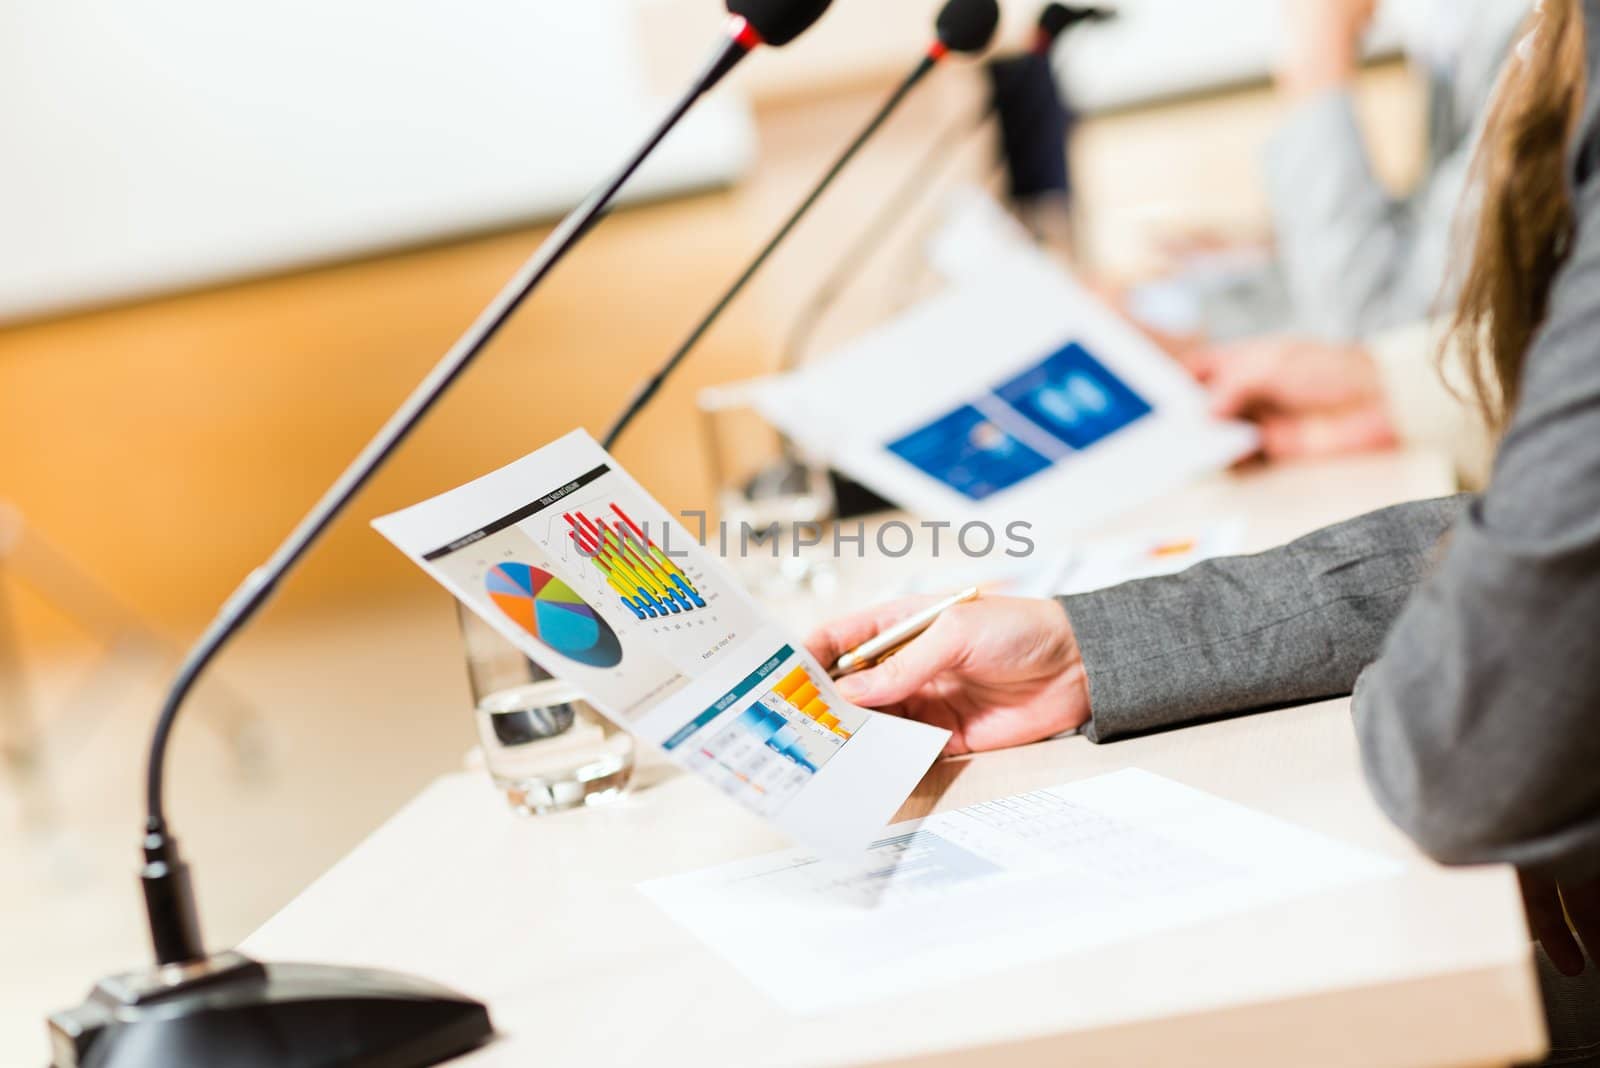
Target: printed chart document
{"type": "Point", "coordinates": [1000, 884]}
{"type": "Point", "coordinates": [1017, 395]}
{"type": "Point", "coordinates": [571, 560]}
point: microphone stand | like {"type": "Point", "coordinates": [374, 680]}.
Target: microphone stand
{"type": "Point", "coordinates": [647, 392]}
{"type": "Point", "coordinates": [894, 208]}
{"type": "Point", "coordinates": [1054, 22]}
{"type": "Point", "coordinates": [965, 26]}
{"type": "Point", "coordinates": [199, 1010]}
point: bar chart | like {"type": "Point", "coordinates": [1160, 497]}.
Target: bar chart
{"type": "Point", "coordinates": [797, 689]}
{"type": "Point", "coordinates": [771, 749]}
{"type": "Point", "coordinates": [650, 584]}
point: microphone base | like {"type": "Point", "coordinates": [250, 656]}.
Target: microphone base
{"type": "Point", "coordinates": [233, 1011]}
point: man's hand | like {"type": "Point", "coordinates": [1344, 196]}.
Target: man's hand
{"type": "Point", "coordinates": [1562, 916]}
{"type": "Point", "coordinates": [1322, 43]}
{"type": "Point", "coordinates": [996, 672]}
{"type": "Point", "coordinates": [1308, 398]}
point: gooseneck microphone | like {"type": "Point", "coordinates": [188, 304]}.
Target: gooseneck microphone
{"type": "Point", "coordinates": [1054, 20]}
{"type": "Point", "coordinates": [1057, 19]}
{"type": "Point", "coordinates": [195, 1009]}
{"type": "Point", "coordinates": [964, 26]}
{"type": "Point", "coordinates": [1035, 121]}
{"type": "Point", "coordinates": [779, 22]}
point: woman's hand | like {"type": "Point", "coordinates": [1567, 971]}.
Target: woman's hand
{"type": "Point", "coordinates": [1308, 398]}
{"type": "Point", "coordinates": [1561, 916]}
{"type": "Point", "coordinates": [996, 672]}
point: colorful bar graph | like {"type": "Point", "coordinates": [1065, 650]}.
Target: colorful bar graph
{"type": "Point", "coordinates": [773, 731]}
{"type": "Point", "coordinates": [767, 750]}
{"type": "Point", "coordinates": [648, 581]}
{"type": "Point", "coordinates": [791, 683]}
{"type": "Point", "coordinates": [799, 691]}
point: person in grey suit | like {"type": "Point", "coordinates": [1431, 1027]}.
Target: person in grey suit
{"type": "Point", "coordinates": [1344, 365]}
{"type": "Point", "coordinates": [1356, 259]}
{"type": "Point", "coordinates": [1464, 627]}
{"type": "Point", "coordinates": [1330, 349]}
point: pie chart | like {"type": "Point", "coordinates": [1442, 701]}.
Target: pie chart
{"type": "Point", "coordinates": [548, 609]}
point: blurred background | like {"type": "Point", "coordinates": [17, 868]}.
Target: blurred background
{"type": "Point", "coordinates": [231, 241]}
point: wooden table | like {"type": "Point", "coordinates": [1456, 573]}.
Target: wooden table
{"type": "Point", "coordinates": [542, 920]}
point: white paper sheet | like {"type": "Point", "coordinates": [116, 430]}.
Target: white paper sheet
{"type": "Point", "coordinates": [571, 560]}
{"type": "Point", "coordinates": [999, 884]}
{"type": "Point", "coordinates": [1094, 565]}
{"type": "Point", "coordinates": [1112, 561]}
{"type": "Point", "coordinates": [1014, 396]}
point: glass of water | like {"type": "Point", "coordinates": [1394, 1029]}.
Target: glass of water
{"type": "Point", "coordinates": [775, 503]}
{"type": "Point", "coordinates": [542, 742]}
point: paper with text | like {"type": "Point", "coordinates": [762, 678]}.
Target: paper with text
{"type": "Point", "coordinates": [999, 884]}
{"type": "Point", "coordinates": [571, 560]}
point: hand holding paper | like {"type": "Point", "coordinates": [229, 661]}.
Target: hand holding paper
{"type": "Point", "coordinates": [995, 673]}
{"type": "Point", "coordinates": [574, 563]}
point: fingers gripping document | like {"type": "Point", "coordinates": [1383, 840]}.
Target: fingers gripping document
{"type": "Point", "coordinates": [1000, 884]}
{"type": "Point", "coordinates": [572, 561]}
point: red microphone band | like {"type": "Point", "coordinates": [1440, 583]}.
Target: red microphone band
{"type": "Point", "coordinates": [938, 51]}
{"type": "Point", "coordinates": [745, 35]}
{"type": "Point", "coordinates": [1042, 42]}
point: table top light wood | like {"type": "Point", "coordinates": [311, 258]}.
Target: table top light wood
{"type": "Point", "coordinates": [541, 917]}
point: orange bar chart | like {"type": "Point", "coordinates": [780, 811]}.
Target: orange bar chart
{"type": "Point", "coordinates": [800, 692]}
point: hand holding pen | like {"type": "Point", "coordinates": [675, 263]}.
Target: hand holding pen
{"type": "Point", "coordinates": [995, 672]}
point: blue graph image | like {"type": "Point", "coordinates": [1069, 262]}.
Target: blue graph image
{"type": "Point", "coordinates": [969, 453]}
{"type": "Point", "coordinates": [1064, 405]}
{"type": "Point", "coordinates": [773, 730]}
{"type": "Point", "coordinates": [1073, 397]}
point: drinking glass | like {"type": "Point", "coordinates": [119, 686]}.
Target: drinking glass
{"type": "Point", "coordinates": [775, 504]}
{"type": "Point", "coordinates": [544, 745]}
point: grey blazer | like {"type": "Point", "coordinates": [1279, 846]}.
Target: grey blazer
{"type": "Point", "coordinates": [1468, 628]}
{"type": "Point", "coordinates": [1356, 259]}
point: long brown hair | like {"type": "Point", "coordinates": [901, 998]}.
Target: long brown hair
{"type": "Point", "coordinates": [1524, 227]}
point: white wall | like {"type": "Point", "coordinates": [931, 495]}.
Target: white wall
{"type": "Point", "coordinates": [165, 143]}
{"type": "Point", "coordinates": [1162, 48]}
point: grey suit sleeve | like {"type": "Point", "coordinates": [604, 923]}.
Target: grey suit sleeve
{"type": "Point", "coordinates": [1479, 715]}
{"type": "Point", "coordinates": [1295, 624]}
{"type": "Point", "coordinates": [1480, 724]}
{"type": "Point", "coordinates": [1356, 259]}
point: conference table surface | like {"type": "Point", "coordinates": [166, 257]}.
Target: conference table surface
{"type": "Point", "coordinates": [541, 917]}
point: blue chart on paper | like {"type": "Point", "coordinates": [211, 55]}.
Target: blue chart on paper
{"type": "Point", "coordinates": [1074, 397]}
{"type": "Point", "coordinates": [969, 453]}
{"type": "Point", "coordinates": [772, 729]}
{"type": "Point", "coordinates": [1066, 404]}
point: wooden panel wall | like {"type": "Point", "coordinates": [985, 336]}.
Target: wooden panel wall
{"type": "Point", "coordinates": [167, 447]}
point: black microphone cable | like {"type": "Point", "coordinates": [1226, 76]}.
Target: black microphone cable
{"type": "Point", "coordinates": [965, 26]}
{"type": "Point", "coordinates": [1054, 20]}
{"type": "Point", "coordinates": [919, 179]}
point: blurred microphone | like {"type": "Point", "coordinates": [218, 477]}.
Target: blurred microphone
{"type": "Point", "coordinates": [778, 22]}
{"type": "Point", "coordinates": [199, 1010]}
{"type": "Point", "coordinates": [1036, 124]}
{"type": "Point", "coordinates": [1057, 19]}
{"type": "Point", "coordinates": [922, 176]}
{"type": "Point", "coordinates": [964, 26]}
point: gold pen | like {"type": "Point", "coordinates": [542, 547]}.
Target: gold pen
{"type": "Point", "coordinates": [876, 650]}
